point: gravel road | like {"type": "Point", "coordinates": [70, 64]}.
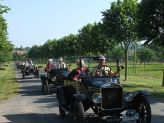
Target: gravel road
{"type": "Point", "coordinates": [32, 106]}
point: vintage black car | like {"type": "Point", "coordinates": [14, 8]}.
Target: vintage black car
{"type": "Point", "coordinates": [105, 96]}
{"type": "Point", "coordinates": [27, 71]}
{"type": "Point", "coordinates": [55, 77]}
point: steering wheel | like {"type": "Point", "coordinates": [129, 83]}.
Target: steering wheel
{"type": "Point", "coordinates": [103, 70]}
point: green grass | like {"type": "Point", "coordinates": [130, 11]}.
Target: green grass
{"type": "Point", "coordinates": [8, 82]}
{"type": "Point", "coordinates": [146, 78]}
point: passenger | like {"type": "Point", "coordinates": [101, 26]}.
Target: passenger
{"type": "Point", "coordinates": [30, 64]}
{"type": "Point", "coordinates": [81, 70]}
{"type": "Point", "coordinates": [61, 64]}
{"type": "Point", "coordinates": [102, 69]}
{"type": "Point", "coordinates": [49, 65]}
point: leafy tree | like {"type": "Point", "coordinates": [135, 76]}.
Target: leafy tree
{"type": "Point", "coordinates": [116, 53]}
{"type": "Point", "coordinates": [5, 46]}
{"type": "Point", "coordinates": [121, 22]}
{"type": "Point", "coordinates": [101, 43]}
{"type": "Point", "coordinates": [146, 55]}
{"type": "Point", "coordinates": [151, 21]}
{"type": "Point", "coordinates": [85, 39]}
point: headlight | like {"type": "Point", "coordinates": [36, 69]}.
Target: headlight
{"type": "Point", "coordinates": [53, 78]}
{"type": "Point", "coordinates": [97, 98]}
{"type": "Point", "coordinates": [128, 96]}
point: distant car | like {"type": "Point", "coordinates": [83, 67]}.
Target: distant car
{"type": "Point", "coordinates": [54, 77]}
{"type": "Point", "coordinates": [27, 71]}
{"type": "Point", "coordinates": [105, 96]}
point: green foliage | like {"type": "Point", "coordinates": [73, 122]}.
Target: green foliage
{"type": "Point", "coordinates": [5, 46]}
{"type": "Point", "coordinates": [151, 21]}
{"type": "Point", "coordinates": [121, 24]}
{"type": "Point", "coordinates": [116, 53]}
{"type": "Point", "coordinates": [146, 54]}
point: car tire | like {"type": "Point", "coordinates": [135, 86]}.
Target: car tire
{"type": "Point", "coordinates": [62, 112]}
{"type": "Point", "coordinates": [46, 88]}
{"type": "Point", "coordinates": [23, 75]}
{"type": "Point", "coordinates": [79, 112]}
{"type": "Point", "coordinates": [142, 106]}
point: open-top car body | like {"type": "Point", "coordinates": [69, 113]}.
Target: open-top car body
{"type": "Point", "coordinates": [53, 78]}
{"type": "Point", "coordinates": [27, 71]}
{"type": "Point", "coordinates": [104, 95]}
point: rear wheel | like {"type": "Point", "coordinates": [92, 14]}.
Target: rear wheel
{"type": "Point", "coordinates": [46, 87]}
{"type": "Point", "coordinates": [23, 75]}
{"type": "Point", "coordinates": [61, 111]}
{"type": "Point", "coordinates": [79, 112]}
{"type": "Point", "coordinates": [142, 106]}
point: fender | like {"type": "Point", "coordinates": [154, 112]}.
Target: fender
{"type": "Point", "coordinates": [130, 96]}
{"type": "Point", "coordinates": [79, 97]}
{"type": "Point", "coordinates": [60, 95]}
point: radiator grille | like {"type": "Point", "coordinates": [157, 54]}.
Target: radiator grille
{"type": "Point", "coordinates": [111, 98]}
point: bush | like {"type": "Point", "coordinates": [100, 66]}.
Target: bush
{"type": "Point", "coordinates": [2, 68]}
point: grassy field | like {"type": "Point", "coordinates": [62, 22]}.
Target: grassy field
{"type": "Point", "coordinates": [147, 78]}
{"type": "Point", "coordinates": [8, 82]}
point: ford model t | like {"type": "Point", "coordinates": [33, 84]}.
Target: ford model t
{"type": "Point", "coordinates": [53, 77]}
{"type": "Point", "coordinates": [104, 95]}
{"type": "Point", "coordinates": [28, 69]}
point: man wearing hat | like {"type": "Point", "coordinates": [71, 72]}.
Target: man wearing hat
{"type": "Point", "coordinates": [102, 69]}
{"type": "Point", "coordinates": [61, 64]}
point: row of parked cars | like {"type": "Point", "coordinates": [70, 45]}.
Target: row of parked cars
{"type": "Point", "coordinates": [103, 94]}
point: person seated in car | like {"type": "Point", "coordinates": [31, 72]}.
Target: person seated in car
{"type": "Point", "coordinates": [61, 64]}
{"type": "Point", "coordinates": [80, 70]}
{"type": "Point", "coordinates": [49, 65]}
{"type": "Point", "coordinates": [102, 69]}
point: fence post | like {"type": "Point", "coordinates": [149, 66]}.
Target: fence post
{"type": "Point", "coordinates": [163, 79]}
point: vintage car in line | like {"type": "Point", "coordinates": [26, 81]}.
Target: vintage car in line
{"type": "Point", "coordinates": [54, 77]}
{"type": "Point", "coordinates": [27, 71]}
{"type": "Point", "coordinates": [105, 96]}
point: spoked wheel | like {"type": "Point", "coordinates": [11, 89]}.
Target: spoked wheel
{"type": "Point", "coordinates": [23, 75]}
{"type": "Point", "coordinates": [142, 106]}
{"type": "Point", "coordinates": [79, 112]}
{"type": "Point", "coordinates": [61, 112]}
{"type": "Point", "coordinates": [46, 87]}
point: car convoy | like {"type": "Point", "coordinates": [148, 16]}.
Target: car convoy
{"type": "Point", "coordinates": [96, 89]}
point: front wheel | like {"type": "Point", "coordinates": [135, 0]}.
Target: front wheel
{"type": "Point", "coordinates": [23, 75]}
{"type": "Point", "coordinates": [61, 111]}
{"type": "Point", "coordinates": [142, 106]}
{"type": "Point", "coordinates": [46, 87]}
{"type": "Point", "coordinates": [79, 112]}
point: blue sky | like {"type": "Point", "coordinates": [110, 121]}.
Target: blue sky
{"type": "Point", "coordinates": [33, 22]}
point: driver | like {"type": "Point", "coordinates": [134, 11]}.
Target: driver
{"type": "Point", "coordinates": [49, 65]}
{"type": "Point", "coordinates": [61, 64]}
{"type": "Point", "coordinates": [102, 69]}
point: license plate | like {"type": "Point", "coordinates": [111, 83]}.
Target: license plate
{"type": "Point", "coordinates": [135, 117]}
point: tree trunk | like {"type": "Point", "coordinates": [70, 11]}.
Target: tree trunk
{"type": "Point", "coordinates": [163, 79]}
{"type": "Point", "coordinates": [126, 64]}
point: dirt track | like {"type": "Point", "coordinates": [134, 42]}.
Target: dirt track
{"type": "Point", "coordinates": [32, 106]}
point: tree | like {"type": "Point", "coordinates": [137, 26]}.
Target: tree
{"type": "Point", "coordinates": [5, 46]}
{"type": "Point", "coordinates": [85, 39]}
{"type": "Point", "coordinates": [116, 53]}
{"type": "Point", "coordinates": [121, 23]}
{"type": "Point", "coordinates": [151, 22]}
{"type": "Point", "coordinates": [146, 55]}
